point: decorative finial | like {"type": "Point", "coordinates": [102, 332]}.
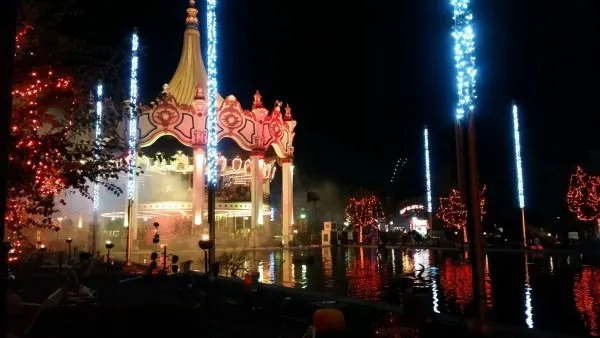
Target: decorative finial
{"type": "Point", "coordinates": [192, 16]}
{"type": "Point", "coordinates": [257, 100]}
{"type": "Point", "coordinates": [165, 88]}
{"type": "Point", "coordinates": [288, 112]}
{"type": "Point", "coordinates": [278, 105]}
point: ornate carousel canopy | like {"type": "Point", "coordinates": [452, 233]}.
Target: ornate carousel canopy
{"type": "Point", "coordinates": [181, 109]}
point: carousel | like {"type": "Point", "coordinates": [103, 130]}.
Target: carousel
{"type": "Point", "coordinates": [242, 199]}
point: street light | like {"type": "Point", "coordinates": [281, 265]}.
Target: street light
{"type": "Point", "coordinates": [205, 243]}
{"type": "Point", "coordinates": [109, 245]}
{"type": "Point", "coordinates": [69, 240]}
{"type": "Point", "coordinates": [41, 250]}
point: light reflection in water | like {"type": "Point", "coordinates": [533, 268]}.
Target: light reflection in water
{"type": "Point", "coordinates": [408, 263]}
{"type": "Point", "coordinates": [457, 284]}
{"type": "Point", "coordinates": [393, 262]}
{"type": "Point", "coordinates": [303, 279]}
{"type": "Point", "coordinates": [528, 307]}
{"type": "Point", "coordinates": [421, 261]}
{"type": "Point", "coordinates": [586, 289]}
{"type": "Point", "coordinates": [434, 290]}
{"type": "Point", "coordinates": [272, 267]}
{"type": "Point", "coordinates": [363, 276]}
{"type": "Point", "coordinates": [288, 269]}
{"type": "Point", "coordinates": [326, 260]}
{"type": "Point", "coordinates": [489, 299]}
{"type": "Point", "coordinates": [357, 274]}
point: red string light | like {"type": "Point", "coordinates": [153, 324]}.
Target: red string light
{"type": "Point", "coordinates": [453, 212]}
{"type": "Point", "coordinates": [38, 148]}
{"type": "Point", "coordinates": [364, 212]}
{"type": "Point", "coordinates": [583, 197]}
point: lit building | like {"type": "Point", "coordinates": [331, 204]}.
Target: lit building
{"type": "Point", "coordinates": [417, 218]}
{"type": "Point", "coordinates": [181, 112]}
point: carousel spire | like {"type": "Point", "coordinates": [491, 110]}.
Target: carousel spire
{"type": "Point", "coordinates": [191, 72]}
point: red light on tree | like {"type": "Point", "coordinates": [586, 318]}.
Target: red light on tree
{"type": "Point", "coordinates": [364, 213]}
{"type": "Point", "coordinates": [52, 147]}
{"type": "Point", "coordinates": [583, 197]}
{"type": "Point", "coordinates": [453, 212]}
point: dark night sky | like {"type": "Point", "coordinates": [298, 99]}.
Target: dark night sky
{"type": "Point", "coordinates": [363, 78]}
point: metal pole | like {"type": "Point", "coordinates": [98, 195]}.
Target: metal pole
{"type": "Point", "coordinates": [211, 220]}
{"type": "Point", "coordinates": [524, 227]}
{"type": "Point", "coordinates": [8, 17]}
{"type": "Point", "coordinates": [165, 258]}
{"type": "Point", "coordinates": [460, 163]}
{"type": "Point", "coordinates": [474, 224]}
{"type": "Point", "coordinates": [129, 221]}
{"type": "Point", "coordinates": [94, 233]}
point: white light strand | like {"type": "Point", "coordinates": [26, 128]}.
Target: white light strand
{"type": "Point", "coordinates": [427, 171]}
{"type": "Point", "coordinates": [464, 57]}
{"type": "Point", "coordinates": [520, 188]}
{"type": "Point", "coordinates": [397, 169]}
{"type": "Point", "coordinates": [99, 94]}
{"type": "Point", "coordinates": [133, 97]}
{"type": "Point", "coordinates": [211, 121]}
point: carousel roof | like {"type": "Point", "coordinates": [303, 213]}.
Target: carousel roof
{"type": "Point", "coordinates": [191, 72]}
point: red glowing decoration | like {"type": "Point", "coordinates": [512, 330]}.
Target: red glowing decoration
{"type": "Point", "coordinates": [51, 133]}
{"type": "Point", "coordinates": [453, 212]}
{"type": "Point", "coordinates": [364, 213]}
{"type": "Point", "coordinates": [583, 196]}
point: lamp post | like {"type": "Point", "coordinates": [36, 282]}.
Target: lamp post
{"type": "Point", "coordinates": [69, 240]}
{"type": "Point", "coordinates": [164, 246]}
{"type": "Point", "coordinates": [41, 250]}
{"type": "Point", "coordinates": [205, 244]}
{"type": "Point", "coordinates": [109, 245]}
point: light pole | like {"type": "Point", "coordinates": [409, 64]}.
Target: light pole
{"type": "Point", "coordinates": [520, 188]}
{"type": "Point", "coordinates": [205, 244]}
{"type": "Point", "coordinates": [69, 241]}
{"type": "Point", "coordinates": [108, 245]}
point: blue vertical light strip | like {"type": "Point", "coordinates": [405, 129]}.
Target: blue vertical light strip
{"type": "Point", "coordinates": [520, 189]}
{"type": "Point", "coordinates": [98, 135]}
{"type": "Point", "coordinates": [464, 57]}
{"type": "Point", "coordinates": [211, 121]}
{"type": "Point", "coordinates": [427, 171]}
{"type": "Point", "coordinates": [133, 98]}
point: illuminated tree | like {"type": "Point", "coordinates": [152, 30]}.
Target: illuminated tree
{"type": "Point", "coordinates": [583, 197]}
{"type": "Point", "coordinates": [51, 140]}
{"type": "Point", "coordinates": [364, 213]}
{"type": "Point", "coordinates": [453, 212]}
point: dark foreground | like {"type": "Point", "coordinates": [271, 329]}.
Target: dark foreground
{"type": "Point", "coordinates": [191, 306]}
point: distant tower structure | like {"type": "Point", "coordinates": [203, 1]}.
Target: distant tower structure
{"type": "Point", "coordinates": [397, 170]}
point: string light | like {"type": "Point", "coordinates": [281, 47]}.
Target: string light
{"type": "Point", "coordinates": [583, 198]}
{"type": "Point", "coordinates": [464, 57]}
{"type": "Point", "coordinates": [211, 121]}
{"type": "Point", "coordinates": [397, 169]}
{"type": "Point", "coordinates": [364, 212]}
{"type": "Point", "coordinates": [98, 129]}
{"type": "Point", "coordinates": [520, 188]}
{"type": "Point", "coordinates": [133, 97]}
{"type": "Point", "coordinates": [427, 171]}
{"type": "Point", "coordinates": [453, 212]}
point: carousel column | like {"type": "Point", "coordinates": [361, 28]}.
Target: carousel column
{"type": "Point", "coordinates": [256, 193]}
{"type": "Point", "coordinates": [287, 195]}
{"type": "Point", "coordinates": [198, 184]}
{"type": "Point", "coordinates": [267, 219]}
